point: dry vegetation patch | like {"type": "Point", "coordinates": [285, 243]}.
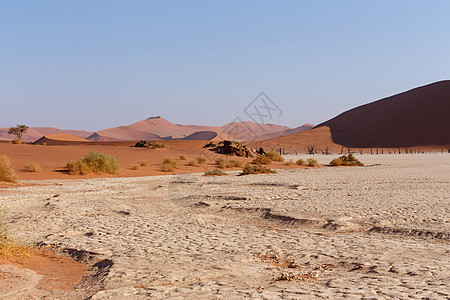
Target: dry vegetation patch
{"type": "Point", "coordinates": [215, 172]}
{"type": "Point", "coordinates": [32, 167]}
{"type": "Point", "coordinates": [256, 169]}
{"type": "Point", "coordinates": [348, 160]}
{"type": "Point", "coordinates": [169, 165]}
{"type": "Point", "coordinates": [6, 171]}
{"type": "Point", "coordinates": [94, 162]}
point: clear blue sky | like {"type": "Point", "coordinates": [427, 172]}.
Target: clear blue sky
{"type": "Point", "coordinates": [98, 64]}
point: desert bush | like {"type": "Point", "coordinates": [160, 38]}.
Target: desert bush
{"type": "Point", "coordinates": [143, 163]}
{"type": "Point", "coordinates": [300, 162]}
{"type": "Point", "coordinates": [346, 160]}
{"type": "Point", "coordinates": [221, 163]}
{"type": "Point", "coordinates": [215, 172]}
{"type": "Point", "coordinates": [135, 167]}
{"type": "Point", "coordinates": [193, 163]}
{"type": "Point", "coordinates": [9, 246]}
{"type": "Point", "coordinates": [262, 159]}
{"type": "Point", "coordinates": [169, 165]}
{"type": "Point", "coordinates": [235, 163]}
{"type": "Point", "coordinates": [336, 162]}
{"type": "Point", "coordinates": [32, 167]}
{"type": "Point", "coordinates": [201, 160]}
{"type": "Point", "coordinates": [274, 156]}
{"type": "Point", "coordinates": [156, 145]}
{"type": "Point", "coordinates": [6, 171]}
{"type": "Point", "coordinates": [94, 162]}
{"type": "Point", "coordinates": [256, 169]}
{"type": "Point", "coordinates": [16, 141]}
{"type": "Point", "coordinates": [182, 157]}
{"type": "Point", "coordinates": [312, 162]}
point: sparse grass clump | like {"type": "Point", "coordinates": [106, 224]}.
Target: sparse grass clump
{"type": "Point", "coordinates": [193, 163]}
{"type": "Point", "coordinates": [94, 162]}
{"type": "Point", "coordinates": [6, 171]}
{"type": "Point", "coordinates": [16, 141]}
{"type": "Point", "coordinates": [300, 162]}
{"type": "Point", "coordinates": [256, 169]}
{"type": "Point", "coordinates": [156, 145]}
{"type": "Point", "coordinates": [221, 163]}
{"type": "Point", "coordinates": [274, 156]}
{"type": "Point", "coordinates": [262, 159]}
{"type": "Point", "coordinates": [215, 172]}
{"type": "Point", "coordinates": [201, 160]}
{"type": "Point", "coordinates": [135, 167]}
{"type": "Point", "coordinates": [348, 160]}
{"type": "Point", "coordinates": [182, 157]}
{"type": "Point", "coordinates": [32, 167]}
{"type": "Point", "coordinates": [143, 163]}
{"type": "Point", "coordinates": [312, 162]}
{"type": "Point", "coordinates": [169, 165]}
{"type": "Point", "coordinates": [235, 163]}
{"type": "Point", "coordinates": [10, 247]}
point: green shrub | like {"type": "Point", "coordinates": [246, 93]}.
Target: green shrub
{"type": "Point", "coordinates": [215, 172]}
{"type": "Point", "coordinates": [6, 172]}
{"type": "Point", "coordinates": [235, 163]}
{"type": "Point", "coordinates": [16, 141]}
{"type": "Point", "coordinates": [94, 162]}
{"type": "Point", "coordinates": [274, 156]}
{"type": "Point", "coordinates": [300, 162]}
{"type": "Point", "coordinates": [312, 162]}
{"type": "Point", "coordinates": [256, 169]}
{"type": "Point", "coordinates": [143, 163]}
{"type": "Point", "coordinates": [262, 159]}
{"type": "Point", "coordinates": [221, 163]}
{"type": "Point", "coordinates": [169, 165]}
{"type": "Point", "coordinates": [32, 167]}
{"type": "Point", "coordinates": [348, 160]}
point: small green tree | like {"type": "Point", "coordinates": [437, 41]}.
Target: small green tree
{"type": "Point", "coordinates": [18, 131]}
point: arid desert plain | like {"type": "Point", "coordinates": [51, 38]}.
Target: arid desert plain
{"type": "Point", "coordinates": [374, 232]}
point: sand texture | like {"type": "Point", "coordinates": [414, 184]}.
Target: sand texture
{"type": "Point", "coordinates": [374, 232]}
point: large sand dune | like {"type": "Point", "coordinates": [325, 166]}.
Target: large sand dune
{"type": "Point", "coordinates": [35, 133]}
{"type": "Point", "coordinates": [419, 117]}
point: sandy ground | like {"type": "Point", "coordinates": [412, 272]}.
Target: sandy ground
{"type": "Point", "coordinates": [375, 232]}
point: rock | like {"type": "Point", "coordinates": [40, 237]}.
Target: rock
{"type": "Point", "coordinates": [233, 148]}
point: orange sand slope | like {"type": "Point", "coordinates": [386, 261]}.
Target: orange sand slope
{"type": "Point", "coordinates": [418, 117]}
{"type": "Point", "coordinates": [160, 128]}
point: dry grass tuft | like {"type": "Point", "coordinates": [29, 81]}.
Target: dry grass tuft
{"type": "Point", "coordinates": [221, 163]}
{"type": "Point", "coordinates": [169, 165]}
{"type": "Point", "coordinates": [6, 171]}
{"type": "Point", "coordinates": [348, 160]}
{"type": "Point", "coordinates": [32, 167]}
{"type": "Point", "coordinates": [290, 162]}
{"type": "Point", "coordinates": [300, 162]}
{"type": "Point", "coordinates": [262, 159]}
{"type": "Point", "coordinates": [235, 163]}
{"type": "Point", "coordinates": [135, 167]}
{"type": "Point", "coordinates": [94, 162]}
{"type": "Point", "coordinates": [312, 162]}
{"type": "Point", "coordinates": [256, 169]}
{"type": "Point", "coordinates": [10, 247]}
{"type": "Point", "coordinates": [16, 141]}
{"type": "Point", "coordinates": [143, 163]}
{"type": "Point", "coordinates": [182, 157]}
{"type": "Point", "coordinates": [156, 145]}
{"type": "Point", "coordinates": [215, 172]}
{"type": "Point", "coordinates": [274, 156]}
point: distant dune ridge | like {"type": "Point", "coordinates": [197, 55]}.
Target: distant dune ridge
{"type": "Point", "coordinates": [159, 128]}
{"type": "Point", "coordinates": [35, 133]}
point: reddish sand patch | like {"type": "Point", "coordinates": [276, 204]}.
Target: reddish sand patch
{"type": "Point", "coordinates": [59, 272]}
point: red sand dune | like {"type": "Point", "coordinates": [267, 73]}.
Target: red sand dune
{"type": "Point", "coordinates": [302, 128]}
{"type": "Point", "coordinates": [159, 128]}
{"type": "Point", "coordinates": [35, 133]}
{"type": "Point", "coordinates": [58, 139]}
{"type": "Point", "coordinates": [418, 117]}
